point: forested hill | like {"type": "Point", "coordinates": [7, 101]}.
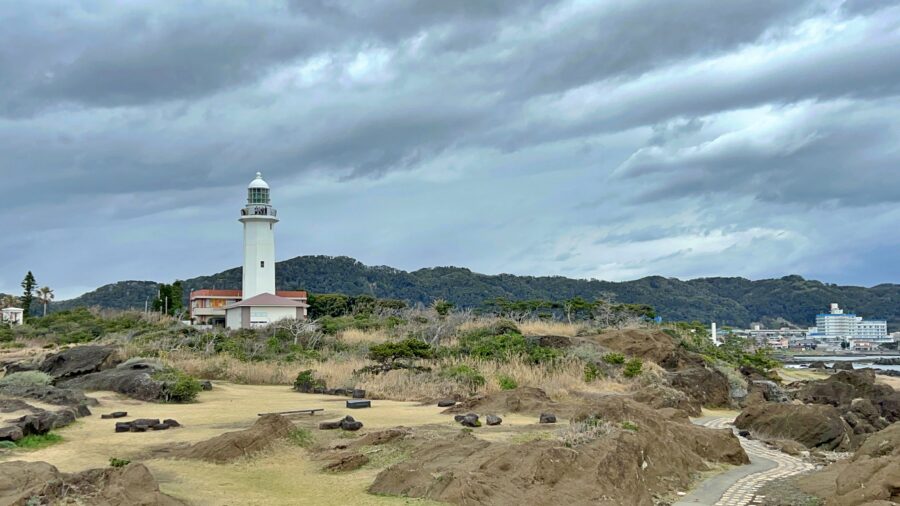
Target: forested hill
{"type": "Point", "coordinates": [731, 301]}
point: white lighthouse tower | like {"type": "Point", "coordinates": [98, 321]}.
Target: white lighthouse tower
{"type": "Point", "coordinates": [259, 218]}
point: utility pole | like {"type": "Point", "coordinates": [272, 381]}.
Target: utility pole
{"type": "Point", "coordinates": [167, 304]}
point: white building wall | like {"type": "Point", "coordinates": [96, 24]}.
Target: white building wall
{"type": "Point", "coordinates": [262, 316]}
{"type": "Point", "coordinates": [259, 256]}
{"type": "Point", "coordinates": [233, 318]}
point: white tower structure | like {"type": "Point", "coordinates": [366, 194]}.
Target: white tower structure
{"type": "Point", "coordinates": [259, 218]}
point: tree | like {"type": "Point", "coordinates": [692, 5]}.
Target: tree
{"type": "Point", "coordinates": [169, 299]}
{"type": "Point", "coordinates": [442, 307]}
{"type": "Point", "coordinates": [9, 301]}
{"type": "Point", "coordinates": [45, 295]}
{"type": "Point", "coordinates": [28, 285]}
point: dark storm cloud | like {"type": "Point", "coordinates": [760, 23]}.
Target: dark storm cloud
{"type": "Point", "coordinates": [692, 126]}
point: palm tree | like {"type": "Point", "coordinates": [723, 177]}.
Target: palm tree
{"type": "Point", "coordinates": [9, 301]}
{"type": "Point", "coordinates": [45, 295]}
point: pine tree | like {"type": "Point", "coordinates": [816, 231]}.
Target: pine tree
{"type": "Point", "coordinates": [28, 285]}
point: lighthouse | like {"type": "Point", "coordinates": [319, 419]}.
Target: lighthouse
{"type": "Point", "coordinates": [259, 219]}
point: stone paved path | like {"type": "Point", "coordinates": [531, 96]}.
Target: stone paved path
{"type": "Point", "coordinates": [743, 491]}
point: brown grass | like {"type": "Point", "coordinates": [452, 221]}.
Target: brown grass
{"type": "Point", "coordinates": [548, 328]}
{"type": "Point", "coordinates": [558, 380]}
{"type": "Point", "coordinates": [355, 336]}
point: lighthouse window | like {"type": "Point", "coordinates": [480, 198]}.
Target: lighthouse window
{"type": "Point", "coordinates": [262, 263]}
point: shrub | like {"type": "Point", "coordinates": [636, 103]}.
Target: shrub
{"type": "Point", "coordinates": [26, 378]}
{"type": "Point", "coordinates": [178, 387]}
{"type": "Point", "coordinates": [406, 349]}
{"type": "Point", "coordinates": [614, 358]}
{"type": "Point", "coordinates": [306, 381]}
{"type": "Point", "coordinates": [633, 368]}
{"type": "Point", "coordinates": [300, 437]}
{"type": "Point", "coordinates": [507, 382]}
{"type": "Point", "coordinates": [464, 375]}
{"type": "Point", "coordinates": [629, 426]}
{"type": "Point", "coordinates": [116, 462]}
{"type": "Point", "coordinates": [591, 372]}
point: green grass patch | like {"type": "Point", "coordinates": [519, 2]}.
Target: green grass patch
{"type": "Point", "coordinates": [38, 441]}
{"type": "Point", "coordinates": [301, 437]}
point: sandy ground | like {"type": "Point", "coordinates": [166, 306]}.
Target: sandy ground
{"type": "Point", "coordinates": [284, 475]}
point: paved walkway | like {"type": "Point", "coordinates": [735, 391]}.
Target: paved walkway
{"type": "Point", "coordinates": [738, 486]}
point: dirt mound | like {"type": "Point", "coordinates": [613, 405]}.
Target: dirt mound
{"type": "Point", "coordinates": [132, 379]}
{"type": "Point", "coordinates": [871, 475]}
{"type": "Point", "coordinates": [382, 437]}
{"type": "Point", "coordinates": [618, 464]}
{"type": "Point", "coordinates": [814, 426]}
{"type": "Point", "coordinates": [77, 361]}
{"type": "Point", "coordinates": [24, 483]}
{"type": "Point", "coordinates": [232, 445]}
{"type": "Point", "coordinates": [652, 345]}
{"type": "Point", "coordinates": [524, 400]}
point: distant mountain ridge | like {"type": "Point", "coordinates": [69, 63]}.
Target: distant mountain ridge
{"type": "Point", "coordinates": [728, 301]}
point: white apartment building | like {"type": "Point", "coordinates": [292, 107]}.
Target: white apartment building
{"type": "Point", "coordinates": [836, 326]}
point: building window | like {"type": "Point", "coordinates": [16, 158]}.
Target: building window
{"type": "Point", "coordinates": [262, 263]}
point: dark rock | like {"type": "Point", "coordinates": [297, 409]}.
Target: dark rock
{"type": "Point", "coordinates": [36, 424]}
{"type": "Point", "coordinates": [842, 365]}
{"type": "Point", "coordinates": [470, 420]}
{"type": "Point", "coordinates": [319, 390]}
{"type": "Point", "coordinates": [206, 385]}
{"type": "Point", "coordinates": [458, 418]}
{"type": "Point", "coordinates": [744, 434]}
{"type": "Point", "coordinates": [49, 394]}
{"type": "Point", "coordinates": [547, 418]}
{"type": "Point", "coordinates": [160, 426]}
{"type": "Point", "coordinates": [13, 405]}
{"type": "Point", "coordinates": [358, 393]}
{"type": "Point", "coordinates": [493, 420]}
{"type": "Point", "coordinates": [11, 433]}
{"type": "Point", "coordinates": [133, 380]}
{"type": "Point", "coordinates": [770, 390]}
{"type": "Point", "coordinates": [123, 427]}
{"type": "Point", "coordinates": [814, 426]}
{"type": "Point", "coordinates": [76, 361]}
{"type": "Point", "coordinates": [351, 426]}
{"type": "Point", "coordinates": [446, 403]}
{"type": "Point", "coordinates": [330, 425]}
{"type": "Point", "coordinates": [887, 361]}
{"type": "Point", "coordinates": [138, 428]}
{"type": "Point", "coordinates": [841, 388]}
{"type": "Point", "coordinates": [707, 386]}
{"type": "Point", "coordinates": [114, 414]}
{"type": "Point", "coordinates": [145, 421]}
{"type": "Point", "coordinates": [818, 364]}
{"type": "Point", "coordinates": [171, 423]}
{"type": "Point", "coordinates": [20, 367]}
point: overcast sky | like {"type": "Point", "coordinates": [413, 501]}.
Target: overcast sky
{"type": "Point", "coordinates": [607, 139]}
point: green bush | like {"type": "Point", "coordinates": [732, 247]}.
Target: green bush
{"type": "Point", "coordinates": [629, 426]}
{"type": "Point", "coordinates": [406, 349]}
{"type": "Point", "coordinates": [591, 372]}
{"type": "Point", "coordinates": [507, 382]}
{"type": "Point", "coordinates": [301, 437]}
{"type": "Point", "coordinates": [464, 375]}
{"type": "Point", "coordinates": [116, 462]}
{"type": "Point", "coordinates": [614, 358]}
{"type": "Point", "coordinates": [307, 381]}
{"type": "Point", "coordinates": [178, 387]}
{"type": "Point", "coordinates": [26, 378]}
{"type": "Point", "coordinates": [633, 368]}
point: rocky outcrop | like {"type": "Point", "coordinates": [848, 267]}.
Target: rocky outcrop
{"type": "Point", "coordinates": [49, 394]}
{"type": "Point", "coordinates": [840, 390]}
{"type": "Point", "coordinates": [621, 466]}
{"type": "Point", "coordinates": [659, 396]}
{"type": "Point", "coordinates": [523, 400]}
{"type": "Point", "coordinates": [814, 426]}
{"type": "Point", "coordinates": [707, 386]}
{"type": "Point", "coordinates": [133, 378]}
{"type": "Point", "coordinates": [77, 361]}
{"type": "Point", "coordinates": [871, 476]}
{"type": "Point", "coordinates": [22, 482]}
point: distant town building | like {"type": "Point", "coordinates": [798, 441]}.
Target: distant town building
{"type": "Point", "coordinates": [835, 327]}
{"type": "Point", "coordinates": [257, 304]}
{"type": "Point", "coordinates": [12, 315]}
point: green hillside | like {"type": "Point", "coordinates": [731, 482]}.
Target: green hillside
{"type": "Point", "coordinates": [729, 301]}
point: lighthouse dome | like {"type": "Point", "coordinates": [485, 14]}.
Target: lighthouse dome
{"type": "Point", "coordinates": [259, 182]}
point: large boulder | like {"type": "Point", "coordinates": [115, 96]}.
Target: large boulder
{"type": "Point", "coordinates": [840, 390]}
{"type": "Point", "coordinates": [661, 396]}
{"type": "Point", "coordinates": [707, 386]}
{"type": "Point", "coordinates": [49, 394]}
{"type": "Point", "coordinates": [77, 361]}
{"type": "Point", "coordinates": [133, 378]}
{"type": "Point", "coordinates": [23, 482]}
{"type": "Point", "coordinates": [814, 426]}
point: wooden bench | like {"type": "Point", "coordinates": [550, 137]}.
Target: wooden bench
{"type": "Point", "coordinates": [295, 412]}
